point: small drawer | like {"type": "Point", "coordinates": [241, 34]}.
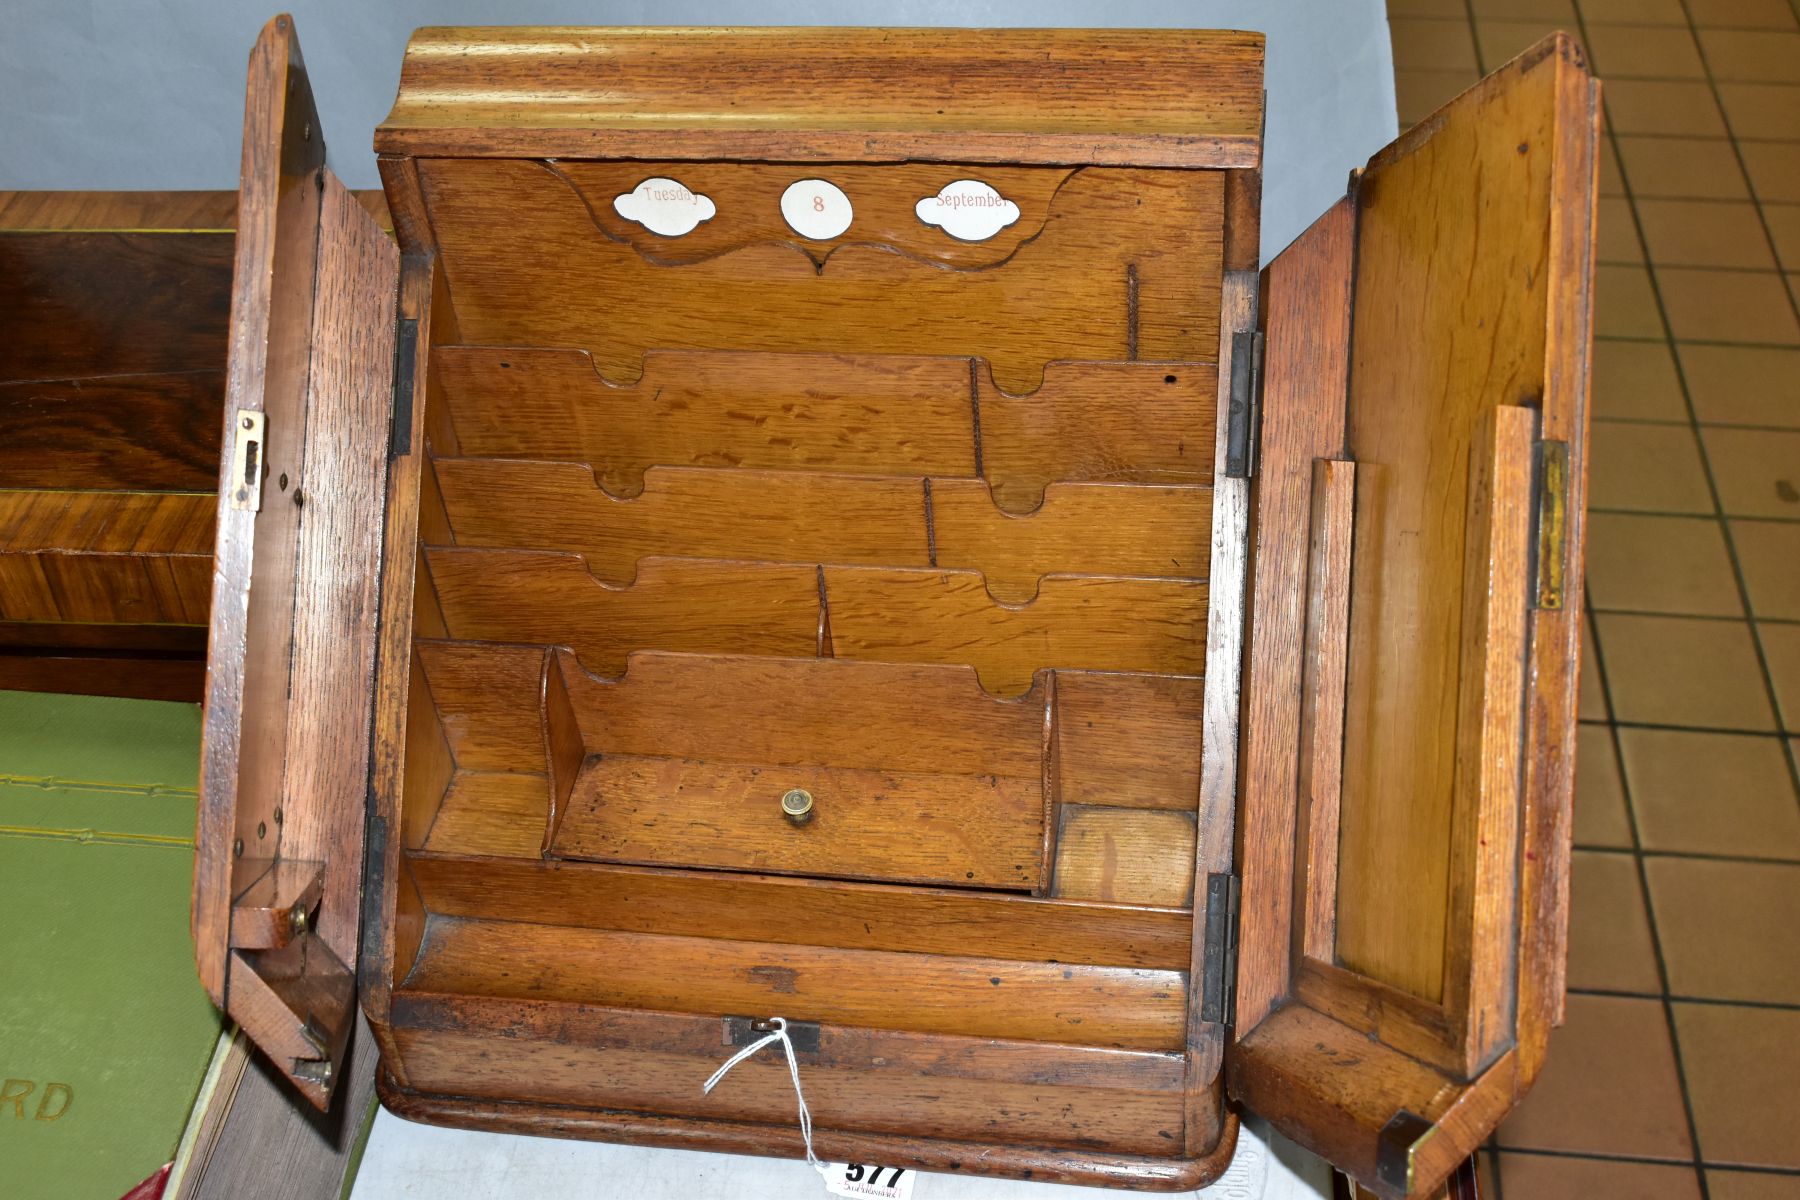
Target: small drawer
{"type": "Point", "coordinates": [823, 767]}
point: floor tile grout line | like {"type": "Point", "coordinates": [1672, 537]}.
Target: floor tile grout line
{"type": "Point", "coordinates": [1717, 268]}
{"type": "Point", "coordinates": [1647, 339]}
{"type": "Point", "coordinates": [1637, 841]}
{"type": "Point", "coordinates": [1672, 512]}
{"type": "Point", "coordinates": [1651, 271]}
{"type": "Point", "coordinates": [1693, 855]}
{"type": "Point", "coordinates": [1646, 1160]}
{"type": "Point", "coordinates": [1715, 1001]}
{"type": "Point", "coordinates": [1756, 639]}
{"type": "Point", "coordinates": [1683, 423]}
{"type": "Point", "coordinates": [1643, 878]}
{"type": "Point", "coordinates": [1674, 728]}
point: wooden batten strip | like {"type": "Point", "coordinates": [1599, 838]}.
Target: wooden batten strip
{"type": "Point", "coordinates": [746, 907]}
{"type": "Point", "coordinates": [1129, 1007]}
{"type": "Point", "coordinates": [839, 1046]}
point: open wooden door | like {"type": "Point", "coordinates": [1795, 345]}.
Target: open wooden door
{"type": "Point", "coordinates": [285, 755]}
{"type": "Point", "coordinates": [1411, 688]}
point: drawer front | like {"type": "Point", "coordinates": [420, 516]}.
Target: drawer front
{"type": "Point", "coordinates": [799, 766]}
{"type": "Point", "coordinates": [857, 824]}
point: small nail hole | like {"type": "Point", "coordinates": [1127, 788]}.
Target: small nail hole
{"type": "Point", "coordinates": [1169, 379]}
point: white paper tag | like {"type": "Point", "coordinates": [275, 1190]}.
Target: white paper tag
{"type": "Point", "coordinates": [816, 209]}
{"type": "Point", "coordinates": [665, 207]}
{"type": "Point", "coordinates": [863, 1180]}
{"type": "Point", "coordinates": [968, 210]}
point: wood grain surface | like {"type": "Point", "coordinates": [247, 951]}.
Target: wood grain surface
{"type": "Point", "coordinates": [1128, 1007]}
{"type": "Point", "coordinates": [1155, 97]}
{"type": "Point", "coordinates": [1419, 388]}
{"type": "Point", "coordinates": [904, 827]}
{"type": "Point", "coordinates": [794, 516]}
{"type": "Point", "coordinates": [285, 744]}
{"type": "Point", "coordinates": [887, 414]}
{"type": "Point", "coordinates": [106, 557]}
{"type": "Point", "coordinates": [1443, 972]}
{"type": "Point", "coordinates": [690, 604]}
{"type": "Point", "coordinates": [810, 912]}
{"type": "Point", "coordinates": [747, 199]}
{"type": "Point", "coordinates": [1127, 266]}
{"type": "Point", "coordinates": [1088, 622]}
{"type": "Point", "coordinates": [1126, 856]}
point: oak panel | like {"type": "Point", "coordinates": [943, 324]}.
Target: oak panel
{"type": "Point", "coordinates": [1081, 528]}
{"type": "Point", "coordinates": [813, 912]}
{"type": "Point", "coordinates": [1100, 422]}
{"type": "Point", "coordinates": [1126, 856]}
{"type": "Point", "coordinates": [1127, 266]}
{"type": "Point", "coordinates": [491, 812]}
{"type": "Point", "coordinates": [693, 605]}
{"type": "Point", "coordinates": [490, 701]}
{"type": "Point", "coordinates": [1020, 95]}
{"type": "Point", "coordinates": [876, 1094]}
{"type": "Point", "coordinates": [880, 414]}
{"type": "Point", "coordinates": [1096, 623]}
{"type": "Point", "coordinates": [832, 712]}
{"type": "Point", "coordinates": [1098, 1006]}
{"type": "Point", "coordinates": [747, 199]}
{"type": "Point", "coordinates": [1427, 271]}
{"type": "Point", "coordinates": [876, 414]}
{"type": "Point", "coordinates": [1128, 740]}
{"type": "Point", "coordinates": [687, 512]}
{"type": "Point", "coordinates": [918, 827]}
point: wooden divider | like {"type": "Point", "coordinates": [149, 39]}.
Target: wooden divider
{"type": "Point", "coordinates": [687, 512]}
{"type": "Point", "coordinates": [1097, 623]}
{"type": "Point", "coordinates": [552, 599]}
{"type": "Point", "coordinates": [881, 414]}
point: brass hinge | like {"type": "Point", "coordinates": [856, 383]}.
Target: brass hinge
{"type": "Point", "coordinates": [1243, 412]}
{"type": "Point", "coordinates": [1552, 521]}
{"type": "Point", "coordinates": [1218, 963]}
{"type": "Point", "coordinates": [406, 349]}
{"type": "Point", "coordinates": [249, 451]}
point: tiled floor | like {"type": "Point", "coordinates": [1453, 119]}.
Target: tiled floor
{"type": "Point", "coordinates": [1678, 1072]}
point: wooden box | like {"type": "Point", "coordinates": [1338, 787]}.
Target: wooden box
{"type": "Point", "coordinates": [833, 525]}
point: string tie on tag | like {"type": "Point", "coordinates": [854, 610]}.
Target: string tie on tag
{"type": "Point", "coordinates": [778, 1033]}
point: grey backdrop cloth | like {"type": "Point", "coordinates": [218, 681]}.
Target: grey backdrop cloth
{"type": "Point", "coordinates": [150, 93]}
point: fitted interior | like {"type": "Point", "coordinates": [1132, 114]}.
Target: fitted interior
{"type": "Point", "coordinates": [916, 527]}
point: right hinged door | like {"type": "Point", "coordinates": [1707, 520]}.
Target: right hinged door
{"type": "Point", "coordinates": [1410, 696]}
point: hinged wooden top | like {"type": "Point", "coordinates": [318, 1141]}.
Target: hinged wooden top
{"type": "Point", "coordinates": [1161, 97]}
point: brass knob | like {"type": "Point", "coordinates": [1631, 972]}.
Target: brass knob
{"type": "Point", "coordinates": [797, 806]}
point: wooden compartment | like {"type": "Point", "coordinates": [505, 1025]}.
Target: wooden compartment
{"type": "Point", "coordinates": [1179, 661]}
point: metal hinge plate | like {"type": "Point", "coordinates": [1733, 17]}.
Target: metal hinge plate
{"type": "Point", "coordinates": [1243, 414]}
{"type": "Point", "coordinates": [406, 349]}
{"type": "Point", "coordinates": [1552, 522]}
{"type": "Point", "coordinates": [249, 451]}
{"type": "Point", "coordinates": [1218, 965]}
{"type": "Point", "coordinates": [744, 1031]}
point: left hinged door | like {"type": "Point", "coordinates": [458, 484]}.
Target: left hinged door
{"type": "Point", "coordinates": [291, 652]}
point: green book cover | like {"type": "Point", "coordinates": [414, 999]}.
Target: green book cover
{"type": "Point", "coordinates": [105, 1033]}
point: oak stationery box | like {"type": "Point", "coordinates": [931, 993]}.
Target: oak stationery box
{"type": "Point", "coordinates": [831, 524]}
